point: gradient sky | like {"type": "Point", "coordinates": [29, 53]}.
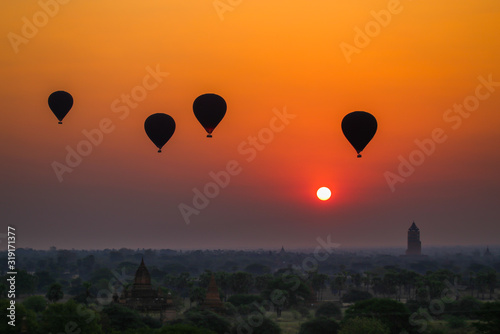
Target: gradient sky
{"type": "Point", "coordinates": [263, 57]}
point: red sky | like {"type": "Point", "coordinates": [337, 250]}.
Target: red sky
{"type": "Point", "coordinates": [412, 62]}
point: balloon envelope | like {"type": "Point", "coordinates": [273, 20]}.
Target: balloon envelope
{"type": "Point", "coordinates": [209, 109]}
{"type": "Point", "coordinates": [159, 128]}
{"type": "Point", "coordinates": [60, 103]}
{"type": "Point", "coordinates": [359, 127]}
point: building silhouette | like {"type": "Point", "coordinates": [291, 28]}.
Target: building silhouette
{"type": "Point", "coordinates": [414, 244]}
{"type": "Point", "coordinates": [212, 300]}
{"type": "Point", "coordinates": [142, 297]}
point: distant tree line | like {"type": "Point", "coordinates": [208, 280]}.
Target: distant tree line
{"type": "Point", "coordinates": [61, 287]}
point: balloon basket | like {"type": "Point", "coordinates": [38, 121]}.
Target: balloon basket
{"type": "Point", "coordinates": [209, 136]}
{"type": "Point", "coordinates": [159, 151]}
{"type": "Point", "coordinates": [359, 155]}
{"type": "Point", "coordinates": [59, 122]}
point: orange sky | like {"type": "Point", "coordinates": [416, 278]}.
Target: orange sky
{"type": "Point", "coordinates": [262, 56]}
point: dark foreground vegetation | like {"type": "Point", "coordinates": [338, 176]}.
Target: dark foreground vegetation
{"type": "Point", "coordinates": [70, 291]}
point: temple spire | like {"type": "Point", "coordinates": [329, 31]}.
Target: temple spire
{"type": "Point", "coordinates": [142, 276]}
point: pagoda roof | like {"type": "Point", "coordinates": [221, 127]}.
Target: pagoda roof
{"type": "Point", "coordinates": [413, 227]}
{"type": "Point", "coordinates": [142, 276]}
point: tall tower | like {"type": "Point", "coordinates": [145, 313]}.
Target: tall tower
{"type": "Point", "coordinates": [414, 244]}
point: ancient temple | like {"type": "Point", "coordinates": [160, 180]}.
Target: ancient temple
{"type": "Point", "coordinates": [142, 297]}
{"type": "Point", "coordinates": [212, 300]}
{"type": "Point", "coordinates": [414, 244]}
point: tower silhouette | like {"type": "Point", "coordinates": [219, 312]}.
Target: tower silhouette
{"type": "Point", "coordinates": [414, 244]}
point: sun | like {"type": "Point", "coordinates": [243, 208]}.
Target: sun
{"type": "Point", "coordinates": [324, 193]}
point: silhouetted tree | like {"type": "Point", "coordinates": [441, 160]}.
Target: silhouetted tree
{"type": "Point", "coordinates": [197, 294]}
{"type": "Point", "coordinates": [456, 322]}
{"type": "Point", "coordinates": [35, 303]}
{"type": "Point", "coordinates": [338, 283]}
{"type": "Point", "coordinates": [318, 282]}
{"type": "Point", "coordinates": [69, 317]}
{"type": "Point", "coordinates": [358, 325]}
{"type": "Point", "coordinates": [288, 289]}
{"type": "Point", "coordinates": [244, 299]}
{"type": "Point", "coordinates": [319, 326]}
{"type": "Point", "coordinates": [204, 278]}
{"type": "Point", "coordinates": [44, 279]}
{"type": "Point", "coordinates": [86, 265]}
{"type": "Point", "coordinates": [65, 258]}
{"type": "Point", "coordinates": [55, 292]}
{"type": "Point", "coordinates": [262, 281]}
{"type": "Point", "coordinates": [491, 282]}
{"type": "Point", "coordinates": [489, 317]}
{"type": "Point", "coordinates": [101, 274]}
{"type": "Point", "coordinates": [184, 329]}
{"type": "Point", "coordinates": [257, 269]}
{"type": "Point", "coordinates": [467, 306]}
{"type": "Point", "coordinates": [223, 280]}
{"type": "Point", "coordinates": [328, 310]}
{"type": "Point", "coordinates": [120, 318]}
{"type": "Point", "coordinates": [353, 296]}
{"type": "Point", "coordinates": [393, 314]}
{"type": "Point", "coordinates": [241, 282]}
{"type": "Point", "coordinates": [256, 324]}
{"type": "Point", "coordinates": [207, 319]}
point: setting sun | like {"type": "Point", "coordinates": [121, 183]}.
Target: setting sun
{"type": "Point", "coordinates": [324, 193]}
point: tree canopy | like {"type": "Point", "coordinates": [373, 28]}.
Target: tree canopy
{"type": "Point", "coordinates": [391, 313]}
{"type": "Point", "coordinates": [70, 317]}
{"type": "Point", "coordinates": [358, 325]}
{"type": "Point", "coordinates": [328, 310]}
{"type": "Point", "coordinates": [319, 326]}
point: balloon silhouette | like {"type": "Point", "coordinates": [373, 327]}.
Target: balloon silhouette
{"type": "Point", "coordinates": [159, 128]}
{"type": "Point", "coordinates": [209, 109]}
{"type": "Point", "coordinates": [60, 103]}
{"type": "Point", "coordinates": [359, 127]}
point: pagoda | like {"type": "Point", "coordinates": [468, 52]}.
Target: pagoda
{"type": "Point", "coordinates": [142, 297]}
{"type": "Point", "coordinates": [212, 300]}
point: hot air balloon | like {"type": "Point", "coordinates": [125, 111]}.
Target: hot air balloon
{"type": "Point", "coordinates": [159, 128]}
{"type": "Point", "coordinates": [60, 103]}
{"type": "Point", "coordinates": [359, 127]}
{"type": "Point", "coordinates": [209, 109]}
